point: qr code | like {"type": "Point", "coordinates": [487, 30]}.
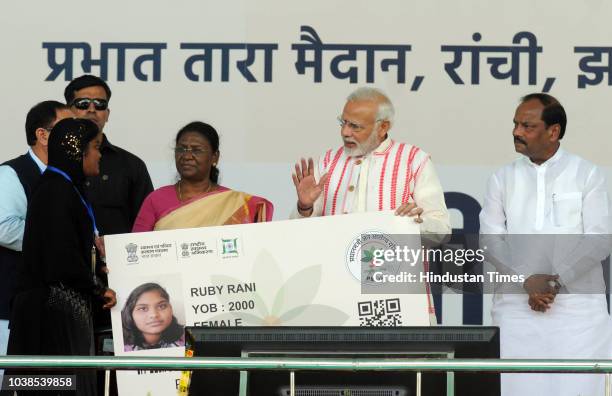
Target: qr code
{"type": "Point", "coordinates": [380, 313]}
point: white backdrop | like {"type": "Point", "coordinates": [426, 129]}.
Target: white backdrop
{"type": "Point", "coordinates": [266, 126]}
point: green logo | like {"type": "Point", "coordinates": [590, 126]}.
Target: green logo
{"type": "Point", "coordinates": [230, 246]}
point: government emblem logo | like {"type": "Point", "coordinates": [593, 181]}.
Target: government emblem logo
{"type": "Point", "coordinates": [131, 249]}
{"type": "Point", "coordinates": [359, 257]}
{"type": "Point", "coordinates": [184, 250]}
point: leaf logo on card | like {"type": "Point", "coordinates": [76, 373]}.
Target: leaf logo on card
{"type": "Point", "coordinates": [280, 299]}
{"type": "Point", "coordinates": [131, 249]}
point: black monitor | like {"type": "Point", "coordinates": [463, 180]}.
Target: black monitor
{"type": "Point", "coordinates": [344, 342]}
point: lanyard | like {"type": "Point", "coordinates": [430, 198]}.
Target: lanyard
{"type": "Point", "coordinates": [87, 205]}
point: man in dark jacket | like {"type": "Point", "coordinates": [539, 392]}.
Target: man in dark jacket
{"type": "Point", "coordinates": [124, 182]}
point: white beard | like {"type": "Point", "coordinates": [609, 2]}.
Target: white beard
{"type": "Point", "coordinates": [362, 148]}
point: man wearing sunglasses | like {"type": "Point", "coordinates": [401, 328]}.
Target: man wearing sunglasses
{"type": "Point", "coordinates": [124, 182]}
{"type": "Point", "coordinates": [17, 178]}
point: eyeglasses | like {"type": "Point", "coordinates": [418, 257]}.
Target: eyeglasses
{"type": "Point", "coordinates": [195, 151]}
{"type": "Point", "coordinates": [83, 103]}
{"type": "Point", "coordinates": [351, 125]}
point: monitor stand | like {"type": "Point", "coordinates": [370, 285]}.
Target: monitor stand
{"type": "Point", "coordinates": [347, 389]}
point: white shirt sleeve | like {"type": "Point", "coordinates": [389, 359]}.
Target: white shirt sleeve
{"type": "Point", "coordinates": [492, 216]}
{"type": "Point", "coordinates": [13, 208]}
{"type": "Point", "coordinates": [493, 230]}
{"type": "Point", "coordinates": [429, 196]}
{"type": "Point", "coordinates": [590, 249]}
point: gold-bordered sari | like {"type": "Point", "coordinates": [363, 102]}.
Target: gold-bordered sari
{"type": "Point", "coordinates": [216, 208]}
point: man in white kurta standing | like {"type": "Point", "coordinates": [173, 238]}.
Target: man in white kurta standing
{"type": "Point", "coordinates": [371, 171]}
{"type": "Point", "coordinates": [559, 203]}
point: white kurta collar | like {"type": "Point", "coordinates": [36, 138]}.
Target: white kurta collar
{"type": "Point", "coordinates": [552, 160]}
{"type": "Point", "coordinates": [383, 147]}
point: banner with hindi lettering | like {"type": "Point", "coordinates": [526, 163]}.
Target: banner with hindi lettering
{"type": "Point", "coordinates": [272, 78]}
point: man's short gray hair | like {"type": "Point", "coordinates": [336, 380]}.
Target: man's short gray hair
{"type": "Point", "coordinates": [386, 112]}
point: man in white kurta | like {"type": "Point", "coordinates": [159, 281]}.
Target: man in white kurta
{"type": "Point", "coordinates": [371, 171]}
{"type": "Point", "coordinates": [549, 192]}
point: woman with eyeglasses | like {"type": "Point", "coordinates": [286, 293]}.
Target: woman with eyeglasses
{"type": "Point", "coordinates": [197, 200]}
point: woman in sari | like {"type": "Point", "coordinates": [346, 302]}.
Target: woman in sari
{"type": "Point", "coordinates": [196, 200]}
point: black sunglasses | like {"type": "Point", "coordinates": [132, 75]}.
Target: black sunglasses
{"type": "Point", "coordinates": [83, 103]}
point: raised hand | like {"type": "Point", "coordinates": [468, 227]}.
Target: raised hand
{"type": "Point", "coordinates": [307, 188]}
